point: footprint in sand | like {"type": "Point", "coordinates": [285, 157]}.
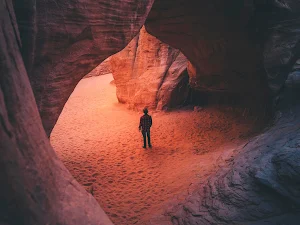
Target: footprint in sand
{"type": "Point", "coordinates": [106, 152]}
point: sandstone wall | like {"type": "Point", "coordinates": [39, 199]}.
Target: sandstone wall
{"type": "Point", "coordinates": [150, 73]}
{"type": "Point", "coordinates": [215, 39]}
{"type": "Point", "coordinates": [246, 48]}
{"type": "Point", "coordinates": [62, 41]}
{"type": "Point", "coordinates": [53, 44]}
{"type": "Point", "coordinates": [235, 47]}
{"type": "Point", "coordinates": [257, 184]}
{"type": "Point", "coordinates": [232, 44]}
{"type": "Point", "coordinates": [35, 187]}
{"type": "Point", "coordinates": [102, 69]}
{"type": "Point", "coordinates": [293, 79]}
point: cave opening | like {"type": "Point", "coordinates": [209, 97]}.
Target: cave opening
{"type": "Point", "coordinates": [97, 139]}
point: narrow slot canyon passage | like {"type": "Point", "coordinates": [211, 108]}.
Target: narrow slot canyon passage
{"type": "Point", "coordinates": [98, 140]}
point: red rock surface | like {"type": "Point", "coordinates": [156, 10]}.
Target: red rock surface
{"type": "Point", "coordinates": [174, 90]}
{"type": "Point", "coordinates": [98, 141]}
{"type": "Point", "coordinates": [259, 183]}
{"type": "Point", "coordinates": [102, 69]}
{"type": "Point", "coordinates": [36, 188]}
{"type": "Point", "coordinates": [150, 73]}
{"type": "Point", "coordinates": [214, 36]}
{"type": "Point", "coordinates": [64, 40]}
{"type": "Point", "coordinates": [232, 44]}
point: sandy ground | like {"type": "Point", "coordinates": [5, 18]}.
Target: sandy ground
{"type": "Point", "coordinates": [99, 142]}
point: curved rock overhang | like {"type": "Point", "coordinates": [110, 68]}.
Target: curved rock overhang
{"type": "Point", "coordinates": [244, 48]}
{"type": "Point", "coordinates": [62, 41]}
{"type": "Point", "coordinates": [55, 44]}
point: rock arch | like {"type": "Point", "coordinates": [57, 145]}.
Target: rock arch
{"type": "Point", "coordinates": [54, 44]}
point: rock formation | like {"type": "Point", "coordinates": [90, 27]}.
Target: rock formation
{"type": "Point", "coordinates": [60, 42]}
{"type": "Point", "coordinates": [174, 89]}
{"type": "Point", "coordinates": [258, 185]}
{"type": "Point", "coordinates": [102, 69]}
{"type": "Point", "coordinates": [293, 79]}
{"type": "Point", "coordinates": [249, 50]}
{"type": "Point", "coordinates": [150, 73]}
{"type": "Point", "coordinates": [63, 41]}
{"type": "Point", "coordinates": [216, 41]}
{"type": "Point", "coordinates": [233, 47]}
{"type": "Point", "coordinates": [244, 47]}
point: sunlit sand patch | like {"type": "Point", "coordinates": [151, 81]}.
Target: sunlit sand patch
{"type": "Point", "coordinates": [99, 142]}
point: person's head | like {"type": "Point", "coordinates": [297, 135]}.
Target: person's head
{"type": "Point", "coordinates": [145, 110]}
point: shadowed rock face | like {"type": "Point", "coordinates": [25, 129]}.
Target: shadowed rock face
{"type": "Point", "coordinates": [258, 184]}
{"type": "Point", "coordinates": [241, 47]}
{"type": "Point", "coordinates": [62, 41]}
{"type": "Point", "coordinates": [245, 47]}
{"type": "Point", "coordinates": [216, 40]}
{"type": "Point", "coordinates": [150, 73]}
{"type": "Point", "coordinates": [102, 69]}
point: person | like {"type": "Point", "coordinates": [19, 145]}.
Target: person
{"type": "Point", "coordinates": [145, 124]}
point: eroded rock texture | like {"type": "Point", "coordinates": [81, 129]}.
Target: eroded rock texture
{"type": "Point", "coordinates": [243, 47]}
{"type": "Point", "coordinates": [234, 47]}
{"type": "Point", "coordinates": [247, 48]}
{"type": "Point", "coordinates": [259, 185]}
{"type": "Point", "coordinates": [102, 69]}
{"type": "Point", "coordinates": [64, 40]}
{"type": "Point", "coordinates": [150, 73]}
{"type": "Point", "coordinates": [282, 47]}
{"type": "Point", "coordinates": [214, 37]}
{"type": "Point", "coordinates": [293, 79]}
{"type": "Point", "coordinates": [54, 43]}
{"type": "Point", "coordinates": [35, 187]}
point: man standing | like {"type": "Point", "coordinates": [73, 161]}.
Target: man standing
{"type": "Point", "coordinates": [145, 124]}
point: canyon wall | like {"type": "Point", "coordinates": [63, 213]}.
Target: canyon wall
{"type": "Point", "coordinates": [62, 41]}
{"type": "Point", "coordinates": [150, 73]}
{"type": "Point", "coordinates": [53, 44]}
{"type": "Point", "coordinates": [258, 183]}
{"type": "Point", "coordinates": [293, 79]}
{"type": "Point", "coordinates": [102, 69]}
{"type": "Point", "coordinates": [247, 49]}
{"type": "Point", "coordinates": [244, 47]}
{"type": "Point", "coordinates": [237, 53]}
{"type": "Point", "coordinates": [214, 37]}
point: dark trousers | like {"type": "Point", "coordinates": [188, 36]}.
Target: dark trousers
{"type": "Point", "coordinates": [146, 133]}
